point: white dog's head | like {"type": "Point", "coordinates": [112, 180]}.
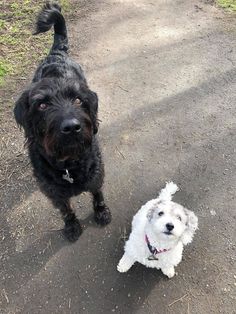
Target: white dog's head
{"type": "Point", "coordinates": [171, 221]}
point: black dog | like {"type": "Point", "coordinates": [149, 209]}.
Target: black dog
{"type": "Point", "coordinates": [59, 115]}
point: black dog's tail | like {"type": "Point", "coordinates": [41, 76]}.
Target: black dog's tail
{"type": "Point", "coordinates": [51, 16]}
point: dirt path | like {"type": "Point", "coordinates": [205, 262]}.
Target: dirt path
{"type": "Point", "coordinates": [165, 74]}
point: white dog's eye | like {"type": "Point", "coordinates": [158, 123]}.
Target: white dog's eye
{"type": "Point", "coordinates": [179, 217]}
{"type": "Point", "coordinates": [160, 213]}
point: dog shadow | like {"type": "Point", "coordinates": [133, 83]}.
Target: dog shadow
{"type": "Point", "coordinates": [24, 265]}
{"type": "Point", "coordinates": [133, 288]}
{"type": "Point", "coordinates": [124, 292]}
{"type": "Point", "coordinates": [30, 261]}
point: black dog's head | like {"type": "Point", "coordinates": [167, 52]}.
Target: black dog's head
{"type": "Point", "coordinates": [60, 115]}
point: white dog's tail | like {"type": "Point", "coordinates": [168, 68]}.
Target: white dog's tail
{"type": "Point", "coordinates": [166, 193]}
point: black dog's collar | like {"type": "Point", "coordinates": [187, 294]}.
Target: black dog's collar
{"type": "Point", "coordinates": [64, 166]}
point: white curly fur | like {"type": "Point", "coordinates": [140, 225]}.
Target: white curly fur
{"type": "Point", "coordinates": [152, 220]}
{"type": "Point", "coordinates": [166, 194]}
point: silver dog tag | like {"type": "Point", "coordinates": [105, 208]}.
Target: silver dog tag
{"type": "Point", "coordinates": [67, 177]}
{"type": "Point", "coordinates": [152, 258]}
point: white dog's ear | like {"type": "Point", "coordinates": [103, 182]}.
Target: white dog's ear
{"type": "Point", "coordinates": [191, 227]}
{"type": "Point", "coordinates": [150, 213]}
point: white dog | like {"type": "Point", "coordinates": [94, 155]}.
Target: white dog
{"type": "Point", "coordinates": [160, 229]}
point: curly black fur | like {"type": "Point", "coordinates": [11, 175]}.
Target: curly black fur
{"type": "Point", "coordinates": [59, 93]}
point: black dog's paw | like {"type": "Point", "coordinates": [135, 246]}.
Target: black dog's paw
{"type": "Point", "coordinates": [102, 216]}
{"type": "Point", "coordinates": [72, 230]}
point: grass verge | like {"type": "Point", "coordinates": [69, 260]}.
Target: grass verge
{"type": "Point", "coordinates": [227, 4]}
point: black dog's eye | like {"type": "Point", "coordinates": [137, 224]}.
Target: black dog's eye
{"type": "Point", "coordinates": [43, 106]}
{"type": "Point", "coordinates": [179, 218]}
{"type": "Point", "coordinates": [78, 102]}
{"type": "Point", "coordinates": [160, 213]}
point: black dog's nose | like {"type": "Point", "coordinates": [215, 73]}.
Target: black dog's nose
{"type": "Point", "coordinates": [70, 125]}
{"type": "Point", "coordinates": [169, 227]}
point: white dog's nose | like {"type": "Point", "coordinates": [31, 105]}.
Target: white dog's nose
{"type": "Point", "coordinates": [169, 226]}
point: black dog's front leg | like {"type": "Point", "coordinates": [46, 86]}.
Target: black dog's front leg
{"type": "Point", "coordinates": [102, 214]}
{"type": "Point", "coordinates": [72, 229]}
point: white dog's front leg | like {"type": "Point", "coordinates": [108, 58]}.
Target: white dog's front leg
{"type": "Point", "coordinates": [169, 272]}
{"type": "Point", "coordinates": [125, 263]}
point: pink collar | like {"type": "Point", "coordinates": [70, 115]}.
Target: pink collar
{"type": "Point", "coordinates": [152, 249]}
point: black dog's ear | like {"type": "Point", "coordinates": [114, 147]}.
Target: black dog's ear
{"type": "Point", "coordinates": [92, 107]}
{"type": "Point", "coordinates": [21, 108]}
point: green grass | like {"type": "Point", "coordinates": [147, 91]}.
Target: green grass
{"type": "Point", "coordinates": [19, 50]}
{"type": "Point", "coordinates": [227, 4]}
{"type": "Point", "coordinates": [4, 70]}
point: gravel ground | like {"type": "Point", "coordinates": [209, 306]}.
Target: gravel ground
{"type": "Point", "coordinates": [165, 74]}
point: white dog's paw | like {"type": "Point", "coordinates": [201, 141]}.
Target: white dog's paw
{"type": "Point", "coordinates": [125, 263]}
{"type": "Point", "coordinates": [169, 272]}
{"type": "Point", "coordinates": [122, 268]}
